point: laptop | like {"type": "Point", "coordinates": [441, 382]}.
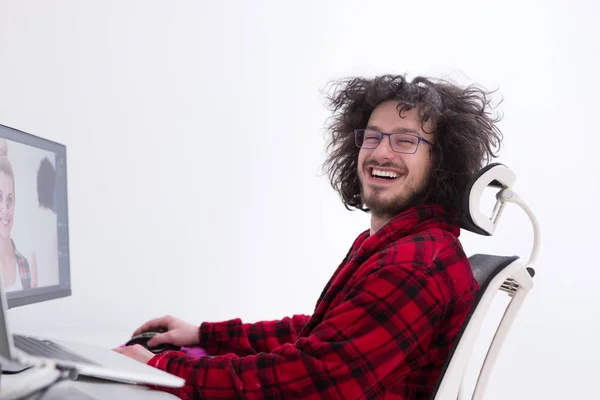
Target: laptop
{"type": "Point", "coordinates": [34, 217]}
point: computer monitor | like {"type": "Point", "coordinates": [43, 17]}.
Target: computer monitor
{"type": "Point", "coordinates": [34, 225]}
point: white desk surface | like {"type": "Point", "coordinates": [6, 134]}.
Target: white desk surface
{"type": "Point", "coordinates": [94, 388]}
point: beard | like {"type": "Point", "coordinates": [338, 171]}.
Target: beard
{"type": "Point", "coordinates": [388, 207]}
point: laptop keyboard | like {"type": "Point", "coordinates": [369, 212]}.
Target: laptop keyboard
{"type": "Point", "coordinates": [47, 349]}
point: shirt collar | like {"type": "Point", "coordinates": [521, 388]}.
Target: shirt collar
{"type": "Point", "coordinates": [410, 222]}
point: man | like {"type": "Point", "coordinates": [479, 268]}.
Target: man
{"type": "Point", "coordinates": [386, 321]}
{"type": "Point", "coordinates": [45, 248]}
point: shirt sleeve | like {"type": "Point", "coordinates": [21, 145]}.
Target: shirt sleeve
{"type": "Point", "coordinates": [373, 338]}
{"type": "Point", "coordinates": [242, 339]}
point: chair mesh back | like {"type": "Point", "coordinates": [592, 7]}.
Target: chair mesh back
{"type": "Point", "coordinates": [485, 267]}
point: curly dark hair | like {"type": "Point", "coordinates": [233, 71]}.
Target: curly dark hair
{"type": "Point", "coordinates": [46, 181]}
{"type": "Point", "coordinates": [463, 125]}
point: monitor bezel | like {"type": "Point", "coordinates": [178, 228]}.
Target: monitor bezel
{"type": "Point", "coordinates": [37, 295]}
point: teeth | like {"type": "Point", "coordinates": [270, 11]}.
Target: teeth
{"type": "Point", "coordinates": [385, 174]}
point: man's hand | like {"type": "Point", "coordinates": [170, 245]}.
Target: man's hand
{"type": "Point", "coordinates": [178, 332]}
{"type": "Point", "coordinates": [137, 352]}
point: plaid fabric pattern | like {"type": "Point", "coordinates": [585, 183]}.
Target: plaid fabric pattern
{"type": "Point", "coordinates": [24, 271]}
{"type": "Point", "coordinates": [382, 327]}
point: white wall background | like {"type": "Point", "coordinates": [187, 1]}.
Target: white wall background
{"type": "Point", "coordinates": [177, 207]}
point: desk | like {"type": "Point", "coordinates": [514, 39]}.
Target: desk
{"type": "Point", "coordinates": [89, 388]}
{"type": "Point", "coordinates": [92, 387]}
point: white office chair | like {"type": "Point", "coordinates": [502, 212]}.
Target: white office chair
{"type": "Point", "coordinates": [493, 273]}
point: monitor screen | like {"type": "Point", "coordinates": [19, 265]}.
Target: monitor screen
{"type": "Point", "coordinates": [34, 234]}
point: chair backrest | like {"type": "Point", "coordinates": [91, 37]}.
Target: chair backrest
{"type": "Point", "coordinates": [493, 273]}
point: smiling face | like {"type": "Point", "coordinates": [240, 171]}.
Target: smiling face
{"type": "Point", "coordinates": [390, 181]}
{"type": "Point", "coordinates": [7, 209]}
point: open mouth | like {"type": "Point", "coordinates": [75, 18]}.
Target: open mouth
{"type": "Point", "coordinates": [4, 221]}
{"type": "Point", "coordinates": [384, 175]}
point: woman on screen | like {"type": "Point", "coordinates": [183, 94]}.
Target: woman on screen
{"type": "Point", "coordinates": [16, 272]}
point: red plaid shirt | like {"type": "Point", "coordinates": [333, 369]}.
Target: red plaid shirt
{"type": "Point", "coordinates": [382, 328]}
{"type": "Point", "coordinates": [24, 270]}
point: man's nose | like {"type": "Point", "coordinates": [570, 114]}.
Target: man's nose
{"type": "Point", "coordinates": [384, 149]}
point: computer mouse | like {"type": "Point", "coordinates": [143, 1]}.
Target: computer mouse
{"type": "Point", "coordinates": [144, 337]}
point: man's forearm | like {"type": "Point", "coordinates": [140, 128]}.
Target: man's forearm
{"type": "Point", "coordinates": [235, 336]}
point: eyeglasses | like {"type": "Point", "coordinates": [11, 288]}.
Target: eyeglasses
{"type": "Point", "coordinates": [399, 142]}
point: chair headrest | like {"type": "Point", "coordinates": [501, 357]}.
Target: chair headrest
{"type": "Point", "coordinates": [493, 175]}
